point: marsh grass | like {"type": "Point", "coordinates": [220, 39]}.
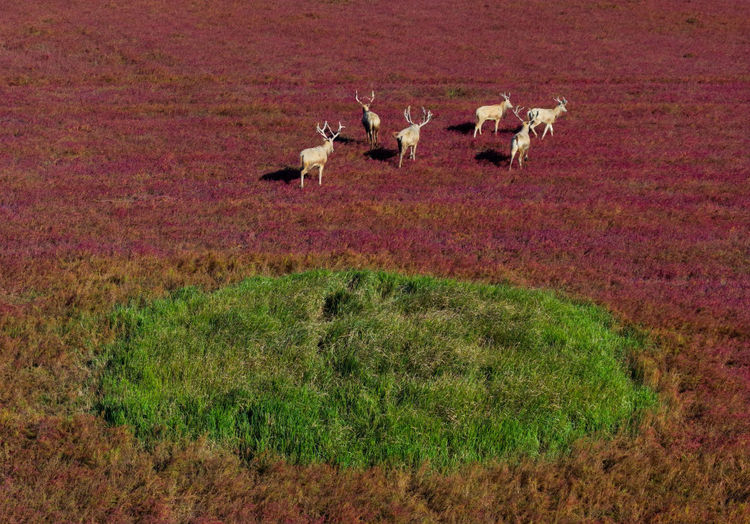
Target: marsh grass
{"type": "Point", "coordinates": [359, 368]}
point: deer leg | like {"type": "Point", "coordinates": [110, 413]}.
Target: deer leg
{"type": "Point", "coordinates": [414, 152]}
{"type": "Point", "coordinates": [497, 123]}
{"type": "Point", "coordinates": [478, 127]}
{"type": "Point", "coordinates": [400, 155]}
{"type": "Point", "coordinates": [320, 175]}
{"type": "Point", "coordinates": [547, 128]}
{"type": "Point", "coordinates": [512, 156]}
{"type": "Point", "coordinates": [302, 177]}
{"type": "Point", "coordinates": [534, 130]}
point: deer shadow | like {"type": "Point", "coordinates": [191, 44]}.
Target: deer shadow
{"type": "Point", "coordinates": [285, 175]}
{"type": "Point", "coordinates": [382, 154]}
{"type": "Point", "coordinates": [492, 156]}
{"type": "Point", "coordinates": [346, 140]}
{"type": "Point", "coordinates": [466, 128]}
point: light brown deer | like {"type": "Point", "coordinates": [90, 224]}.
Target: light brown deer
{"type": "Point", "coordinates": [495, 113]}
{"type": "Point", "coordinates": [318, 156]}
{"type": "Point", "coordinates": [521, 141]}
{"type": "Point", "coordinates": [548, 116]}
{"type": "Point", "coordinates": [409, 137]}
{"type": "Point", "coordinates": [370, 120]}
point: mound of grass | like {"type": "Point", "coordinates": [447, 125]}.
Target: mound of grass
{"type": "Point", "coordinates": [358, 368]}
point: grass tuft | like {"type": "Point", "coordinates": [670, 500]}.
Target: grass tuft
{"type": "Point", "coordinates": [359, 368]}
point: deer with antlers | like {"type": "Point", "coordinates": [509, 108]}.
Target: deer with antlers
{"type": "Point", "coordinates": [318, 156]}
{"type": "Point", "coordinates": [370, 120]}
{"type": "Point", "coordinates": [521, 141]}
{"type": "Point", "coordinates": [495, 113]}
{"type": "Point", "coordinates": [409, 137]}
{"type": "Point", "coordinates": [548, 116]}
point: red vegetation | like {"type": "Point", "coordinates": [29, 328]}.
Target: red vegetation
{"type": "Point", "coordinates": [136, 139]}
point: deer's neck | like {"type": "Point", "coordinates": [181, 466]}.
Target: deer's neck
{"type": "Point", "coordinates": [328, 146]}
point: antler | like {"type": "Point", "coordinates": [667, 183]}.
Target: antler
{"type": "Point", "coordinates": [516, 111]}
{"type": "Point", "coordinates": [356, 96]}
{"type": "Point", "coordinates": [322, 131]}
{"type": "Point", "coordinates": [565, 101]}
{"type": "Point", "coordinates": [407, 115]}
{"type": "Point", "coordinates": [337, 132]}
{"type": "Point", "coordinates": [326, 126]}
{"type": "Point", "coordinates": [506, 97]}
{"type": "Point", "coordinates": [426, 116]}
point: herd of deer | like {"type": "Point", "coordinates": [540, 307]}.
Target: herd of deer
{"type": "Point", "coordinates": [409, 136]}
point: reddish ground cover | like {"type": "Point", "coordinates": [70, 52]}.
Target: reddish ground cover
{"type": "Point", "coordinates": [150, 145]}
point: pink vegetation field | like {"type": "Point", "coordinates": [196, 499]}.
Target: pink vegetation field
{"type": "Point", "coordinates": [145, 134]}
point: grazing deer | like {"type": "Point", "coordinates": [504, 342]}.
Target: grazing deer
{"type": "Point", "coordinates": [521, 141]}
{"type": "Point", "coordinates": [409, 137]}
{"type": "Point", "coordinates": [318, 156]}
{"type": "Point", "coordinates": [370, 120]}
{"type": "Point", "coordinates": [548, 116]}
{"type": "Point", "coordinates": [495, 113]}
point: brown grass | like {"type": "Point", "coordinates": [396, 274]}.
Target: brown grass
{"type": "Point", "coordinates": [688, 464]}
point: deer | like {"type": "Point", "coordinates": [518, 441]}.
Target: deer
{"type": "Point", "coordinates": [548, 116]}
{"type": "Point", "coordinates": [521, 141]}
{"type": "Point", "coordinates": [409, 137]}
{"type": "Point", "coordinates": [318, 156]}
{"type": "Point", "coordinates": [370, 120]}
{"type": "Point", "coordinates": [495, 113]}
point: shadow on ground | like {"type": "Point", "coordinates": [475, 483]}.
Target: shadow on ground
{"type": "Point", "coordinates": [467, 128]}
{"type": "Point", "coordinates": [492, 156]}
{"type": "Point", "coordinates": [285, 175]}
{"type": "Point", "coordinates": [381, 154]}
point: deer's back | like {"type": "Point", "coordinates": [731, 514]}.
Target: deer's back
{"type": "Point", "coordinates": [544, 115]}
{"type": "Point", "coordinates": [490, 111]}
{"type": "Point", "coordinates": [371, 120]}
{"type": "Point", "coordinates": [410, 135]}
{"type": "Point", "coordinates": [314, 154]}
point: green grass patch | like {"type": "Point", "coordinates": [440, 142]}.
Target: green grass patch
{"type": "Point", "coordinates": [358, 368]}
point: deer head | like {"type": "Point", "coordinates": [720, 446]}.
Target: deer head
{"type": "Point", "coordinates": [507, 102]}
{"type": "Point", "coordinates": [531, 116]}
{"type": "Point", "coordinates": [365, 105]}
{"type": "Point", "coordinates": [329, 139]}
{"type": "Point", "coordinates": [562, 103]}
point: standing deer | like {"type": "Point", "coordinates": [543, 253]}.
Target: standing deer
{"type": "Point", "coordinates": [370, 120]}
{"type": "Point", "coordinates": [318, 156]}
{"type": "Point", "coordinates": [521, 141]}
{"type": "Point", "coordinates": [548, 116]}
{"type": "Point", "coordinates": [495, 113]}
{"type": "Point", "coordinates": [409, 137]}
